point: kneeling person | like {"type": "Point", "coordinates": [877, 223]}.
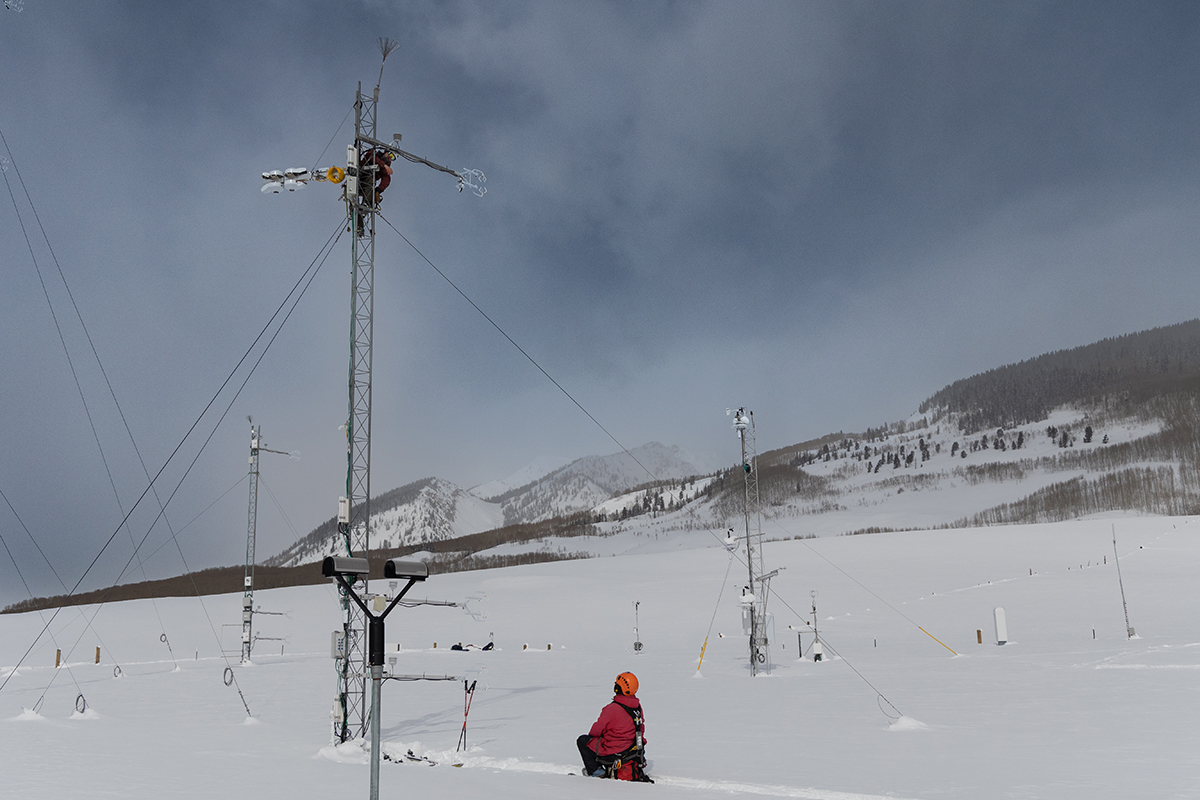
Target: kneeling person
{"type": "Point", "coordinates": [615, 746]}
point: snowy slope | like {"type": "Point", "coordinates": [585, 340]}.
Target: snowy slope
{"type": "Point", "coordinates": [939, 491]}
{"type": "Point", "coordinates": [1055, 713]}
{"type": "Point", "coordinates": [947, 487]}
{"type": "Point", "coordinates": [538, 468]}
{"type": "Point", "coordinates": [435, 510]}
{"type": "Point", "coordinates": [589, 481]}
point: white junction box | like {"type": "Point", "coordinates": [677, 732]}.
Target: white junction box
{"type": "Point", "coordinates": [338, 644]}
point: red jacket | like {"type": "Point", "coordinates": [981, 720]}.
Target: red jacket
{"type": "Point", "coordinates": [613, 731]}
{"type": "Point", "coordinates": [383, 170]}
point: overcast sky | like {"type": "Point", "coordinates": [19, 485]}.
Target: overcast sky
{"type": "Point", "coordinates": [822, 211]}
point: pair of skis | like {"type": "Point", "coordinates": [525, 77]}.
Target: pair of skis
{"type": "Point", "coordinates": [411, 756]}
{"type": "Point", "coordinates": [468, 695]}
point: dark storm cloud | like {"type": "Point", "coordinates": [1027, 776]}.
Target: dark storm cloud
{"type": "Point", "coordinates": [824, 211]}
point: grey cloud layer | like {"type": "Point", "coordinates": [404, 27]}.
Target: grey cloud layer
{"type": "Point", "coordinates": [824, 211]}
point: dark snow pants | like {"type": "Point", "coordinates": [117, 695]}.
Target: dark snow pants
{"type": "Point", "coordinates": [590, 764]}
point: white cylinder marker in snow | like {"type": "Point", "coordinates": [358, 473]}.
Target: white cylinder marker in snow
{"type": "Point", "coordinates": [1001, 626]}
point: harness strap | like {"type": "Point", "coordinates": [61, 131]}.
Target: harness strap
{"type": "Point", "coordinates": [636, 752]}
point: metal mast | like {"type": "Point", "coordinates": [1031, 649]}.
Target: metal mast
{"type": "Point", "coordinates": [356, 525]}
{"type": "Point", "coordinates": [251, 533]}
{"type": "Point", "coordinates": [759, 586]}
{"type": "Point", "coordinates": [351, 715]}
{"type": "Point", "coordinates": [354, 518]}
{"type": "Point", "coordinates": [1129, 634]}
{"type": "Point", "coordinates": [256, 447]}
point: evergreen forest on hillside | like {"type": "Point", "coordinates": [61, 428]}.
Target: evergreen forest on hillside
{"type": "Point", "coordinates": [1123, 371]}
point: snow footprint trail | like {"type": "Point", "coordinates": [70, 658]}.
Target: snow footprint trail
{"type": "Point", "coordinates": [766, 790]}
{"type": "Point", "coordinates": [354, 752]}
{"type": "Point", "coordinates": [694, 784]}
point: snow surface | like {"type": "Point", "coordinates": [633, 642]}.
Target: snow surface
{"type": "Point", "coordinates": [1055, 713]}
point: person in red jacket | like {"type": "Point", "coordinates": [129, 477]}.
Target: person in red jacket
{"type": "Point", "coordinates": [382, 160]}
{"type": "Point", "coordinates": [618, 735]}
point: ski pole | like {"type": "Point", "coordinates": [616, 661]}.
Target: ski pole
{"type": "Point", "coordinates": [468, 695]}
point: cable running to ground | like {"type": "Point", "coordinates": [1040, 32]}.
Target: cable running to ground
{"type": "Point", "coordinates": [520, 349]}
{"type": "Point", "coordinates": [331, 138]}
{"type": "Point", "coordinates": [25, 583]}
{"type": "Point", "coordinates": [305, 275]}
{"type": "Point", "coordinates": [221, 497]}
{"type": "Point", "coordinates": [704, 525]}
{"type": "Point", "coordinates": [216, 426]}
{"type": "Point", "coordinates": [279, 507]}
{"type": "Point", "coordinates": [66, 351]}
{"type": "Point", "coordinates": [58, 328]}
{"type": "Point", "coordinates": [716, 608]}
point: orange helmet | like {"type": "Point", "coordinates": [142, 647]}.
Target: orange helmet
{"type": "Point", "coordinates": [626, 684]}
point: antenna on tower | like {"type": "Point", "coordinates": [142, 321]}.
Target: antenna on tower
{"type": "Point", "coordinates": [386, 46]}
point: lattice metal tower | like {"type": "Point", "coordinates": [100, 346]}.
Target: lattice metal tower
{"type": "Point", "coordinates": [352, 717]}
{"type": "Point", "coordinates": [251, 534]}
{"type": "Point", "coordinates": [759, 586]}
{"type": "Point", "coordinates": [256, 447]}
{"type": "Point", "coordinates": [354, 521]}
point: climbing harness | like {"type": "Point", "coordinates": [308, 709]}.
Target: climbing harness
{"type": "Point", "coordinates": [634, 757]}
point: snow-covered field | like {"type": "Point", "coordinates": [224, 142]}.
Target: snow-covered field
{"type": "Point", "coordinates": [1055, 713]}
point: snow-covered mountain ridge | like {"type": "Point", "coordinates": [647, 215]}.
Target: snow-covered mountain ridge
{"type": "Point", "coordinates": [1107, 426]}
{"type": "Point", "coordinates": [589, 481]}
{"type": "Point", "coordinates": [425, 511]}
{"type": "Point", "coordinates": [432, 509]}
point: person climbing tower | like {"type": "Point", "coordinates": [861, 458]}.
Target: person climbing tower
{"type": "Point", "coordinates": [382, 159]}
{"type": "Point", "coordinates": [615, 747]}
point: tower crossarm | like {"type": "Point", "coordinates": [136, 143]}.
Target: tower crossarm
{"type": "Point", "coordinates": [471, 178]}
{"type": "Point", "coordinates": [391, 148]}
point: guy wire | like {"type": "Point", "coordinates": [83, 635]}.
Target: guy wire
{"type": "Point", "coordinates": [329, 244]}
{"type": "Point", "coordinates": [690, 512]}
{"type": "Point", "coordinates": [332, 240]}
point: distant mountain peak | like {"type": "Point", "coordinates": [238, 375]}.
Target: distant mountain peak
{"type": "Point", "coordinates": [433, 509]}
{"type": "Point", "coordinates": [538, 468]}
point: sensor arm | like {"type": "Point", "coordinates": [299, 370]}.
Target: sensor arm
{"type": "Point", "coordinates": [409, 156]}
{"type": "Point", "coordinates": [396, 599]}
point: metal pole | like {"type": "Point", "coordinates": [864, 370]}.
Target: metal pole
{"type": "Point", "coordinates": [376, 685]}
{"type": "Point", "coordinates": [744, 423]}
{"type": "Point", "coordinates": [749, 549]}
{"type": "Point", "coordinates": [375, 637]}
{"type": "Point", "coordinates": [1128, 629]}
{"type": "Point", "coordinates": [251, 534]}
